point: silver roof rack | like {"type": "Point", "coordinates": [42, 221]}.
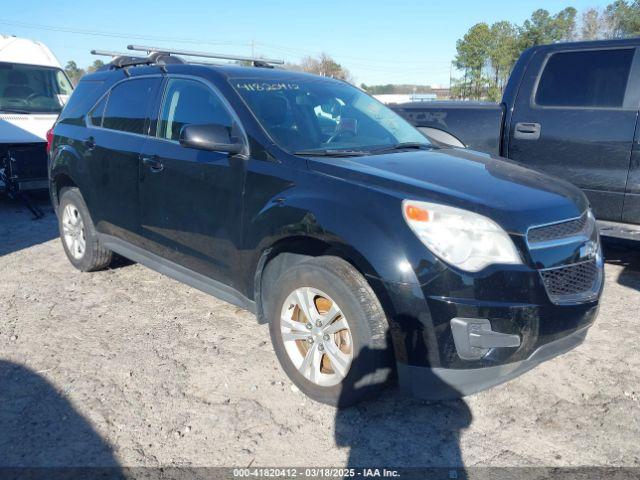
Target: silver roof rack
{"type": "Point", "coordinates": [110, 53]}
{"type": "Point", "coordinates": [191, 53]}
{"type": "Point", "coordinates": [124, 60]}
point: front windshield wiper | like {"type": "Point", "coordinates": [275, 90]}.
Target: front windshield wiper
{"type": "Point", "coordinates": [14, 110]}
{"type": "Point", "coordinates": [331, 153]}
{"type": "Point", "coordinates": [404, 146]}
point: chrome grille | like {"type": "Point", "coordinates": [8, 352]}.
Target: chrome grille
{"type": "Point", "coordinates": [579, 282]}
{"type": "Point", "coordinates": [559, 231]}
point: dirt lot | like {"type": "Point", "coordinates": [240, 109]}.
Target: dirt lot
{"type": "Point", "coordinates": [131, 368]}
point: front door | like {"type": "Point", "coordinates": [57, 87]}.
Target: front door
{"type": "Point", "coordinates": [190, 199]}
{"type": "Point", "coordinates": [579, 122]}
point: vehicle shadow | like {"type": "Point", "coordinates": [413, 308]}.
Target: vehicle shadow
{"type": "Point", "coordinates": [42, 435]}
{"type": "Point", "coordinates": [394, 431]}
{"type": "Point", "coordinates": [626, 254]}
{"type": "Point", "coordinates": [19, 229]}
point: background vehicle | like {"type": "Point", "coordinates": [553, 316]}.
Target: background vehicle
{"type": "Point", "coordinates": [306, 201]}
{"type": "Point", "coordinates": [33, 90]}
{"type": "Point", "coordinates": [570, 110]}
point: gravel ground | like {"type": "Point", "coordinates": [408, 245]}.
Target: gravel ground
{"type": "Point", "coordinates": [128, 367]}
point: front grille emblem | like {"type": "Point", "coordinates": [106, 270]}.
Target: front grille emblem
{"type": "Point", "coordinates": [589, 250]}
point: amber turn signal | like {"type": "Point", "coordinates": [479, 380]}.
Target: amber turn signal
{"type": "Point", "coordinates": [416, 214]}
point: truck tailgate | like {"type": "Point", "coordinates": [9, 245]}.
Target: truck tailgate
{"type": "Point", "coordinates": [477, 125]}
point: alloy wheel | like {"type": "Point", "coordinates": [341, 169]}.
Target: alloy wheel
{"type": "Point", "coordinates": [73, 231]}
{"type": "Point", "coordinates": [316, 336]}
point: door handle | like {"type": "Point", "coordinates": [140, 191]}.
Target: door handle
{"type": "Point", "coordinates": [89, 143]}
{"type": "Point", "coordinates": [153, 163]}
{"type": "Point", "coordinates": [527, 131]}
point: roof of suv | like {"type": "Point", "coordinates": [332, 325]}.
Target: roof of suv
{"type": "Point", "coordinates": [224, 70]}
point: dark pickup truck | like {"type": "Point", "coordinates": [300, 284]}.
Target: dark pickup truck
{"type": "Point", "coordinates": [570, 110]}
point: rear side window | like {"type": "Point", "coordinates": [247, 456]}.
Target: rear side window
{"type": "Point", "coordinates": [83, 97]}
{"type": "Point", "coordinates": [188, 102]}
{"type": "Point", "coordinates": [128, 105]}
{"type": "Point", "coordinates": [596, 78]}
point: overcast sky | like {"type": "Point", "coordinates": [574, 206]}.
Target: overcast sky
{"type": "Point", "coordinates": [378, 41]}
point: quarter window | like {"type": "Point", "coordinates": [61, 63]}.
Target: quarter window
{"type": "Point", "coordinates": [128, 105]}
{"type": "Point", "coordinates": [596, 78]}
{"type": "Point", "coordinates": [85, 95]}
{"type": "Point", "coordinates": [95, 116]}
{"type": "Point", "coordinates": [189, 102]}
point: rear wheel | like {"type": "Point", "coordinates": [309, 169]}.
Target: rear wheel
{"type": "Point", "coordinates": [329, 331]}
{"type": "Point", "coordinates": [79, 237]}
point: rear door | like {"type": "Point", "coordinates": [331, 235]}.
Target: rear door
{"type": "Point", "coordinates": [575, 118]}
{"type": "Point", "coordinates": [190, 199]}
{"type": "Point", "coordinates": [117, 127]}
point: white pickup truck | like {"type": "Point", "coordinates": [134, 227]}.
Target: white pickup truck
{"type": "Point", "coordinates": [33, 90]}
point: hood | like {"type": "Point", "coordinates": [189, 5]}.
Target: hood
{"type": "Point", "coordinates": [29, 128]}
{"type": "Point", "coordinates": [507, 192]}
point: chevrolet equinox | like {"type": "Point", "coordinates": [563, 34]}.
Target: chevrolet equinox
{"type": "Point", "coordinates": [370, 252]}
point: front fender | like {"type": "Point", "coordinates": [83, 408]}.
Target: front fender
{"type": "Point", "coordinates": [364, 227]}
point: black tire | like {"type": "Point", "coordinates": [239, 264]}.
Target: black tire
{"type": "Point", "coordinates": [95, 256]}
{"type": "Point", "coordinates": [371, 366]}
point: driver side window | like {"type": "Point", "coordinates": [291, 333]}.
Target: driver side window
{"type": "Point", "coordinates": [189, 102]}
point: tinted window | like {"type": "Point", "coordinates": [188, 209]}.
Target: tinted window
{"type": "Point", "coordinates": [95, 116]}
{"type": "Point", "coordinates": [83, 97]}
{"type": "Point", "coordinates": [585, 79]}
{"type": "Point", "coordinates": [128, 105]}
{"type": "Point", "coordinates": [188, 102]}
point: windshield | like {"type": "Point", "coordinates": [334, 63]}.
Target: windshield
{"type": "Point", "coordinates": [306, 114]}
{"type": "Point", "coordinates": [32, 88]}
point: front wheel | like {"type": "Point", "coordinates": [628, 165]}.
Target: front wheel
{"type": "Point", "coordinates": [329, 331]}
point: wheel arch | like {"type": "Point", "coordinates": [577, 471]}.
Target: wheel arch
{"type": "Point", "coordinates": [58, 182]}
{"type": "Point", "coordinates": [60, 174]}
{"type": "Point", "coordinates": [288, 251]}
{"type": "Point", "coordinates": [441, 137]}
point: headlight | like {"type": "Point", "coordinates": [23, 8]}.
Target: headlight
{"type": "Point", "coordinates": [461, 238]}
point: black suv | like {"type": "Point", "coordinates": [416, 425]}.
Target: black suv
{"type": "Point", "coordinates": [368, 250]}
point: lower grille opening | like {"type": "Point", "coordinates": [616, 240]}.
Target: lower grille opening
{"type": "Point", "coordinates": [579, 282]}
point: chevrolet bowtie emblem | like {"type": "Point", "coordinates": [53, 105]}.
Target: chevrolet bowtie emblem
{"type": "Point", "coordinates": [588, 250]}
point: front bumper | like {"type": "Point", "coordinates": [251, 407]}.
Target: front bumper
{"type": "Point", "coordinates": [524, 328]}
{"type": "Point", "coordinates": [449, 383]}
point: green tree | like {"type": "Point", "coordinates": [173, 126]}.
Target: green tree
{"type": "Point", "coordinates": [503, 52]}
{"type": "Point", "coordinates": [486, 55]}
{"type": "Point", "coordinates": [472, 56]}
{"type": "Point", "coordinates": [97, 65]}
{"type": "Point", "coordinates": [623, 18]}
{"type": "Point", "coordinates": [73, 72]}
{"type": "Point", "coordinates": [544, 28]}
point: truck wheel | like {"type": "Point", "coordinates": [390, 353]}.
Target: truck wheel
{"type": "Point", "coordinates": [78, 235]}
{"type": "Point", "coordinates": [329, 331]}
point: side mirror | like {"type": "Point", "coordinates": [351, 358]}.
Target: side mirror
{"type": "Point", "coordinates": [211, 137]}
